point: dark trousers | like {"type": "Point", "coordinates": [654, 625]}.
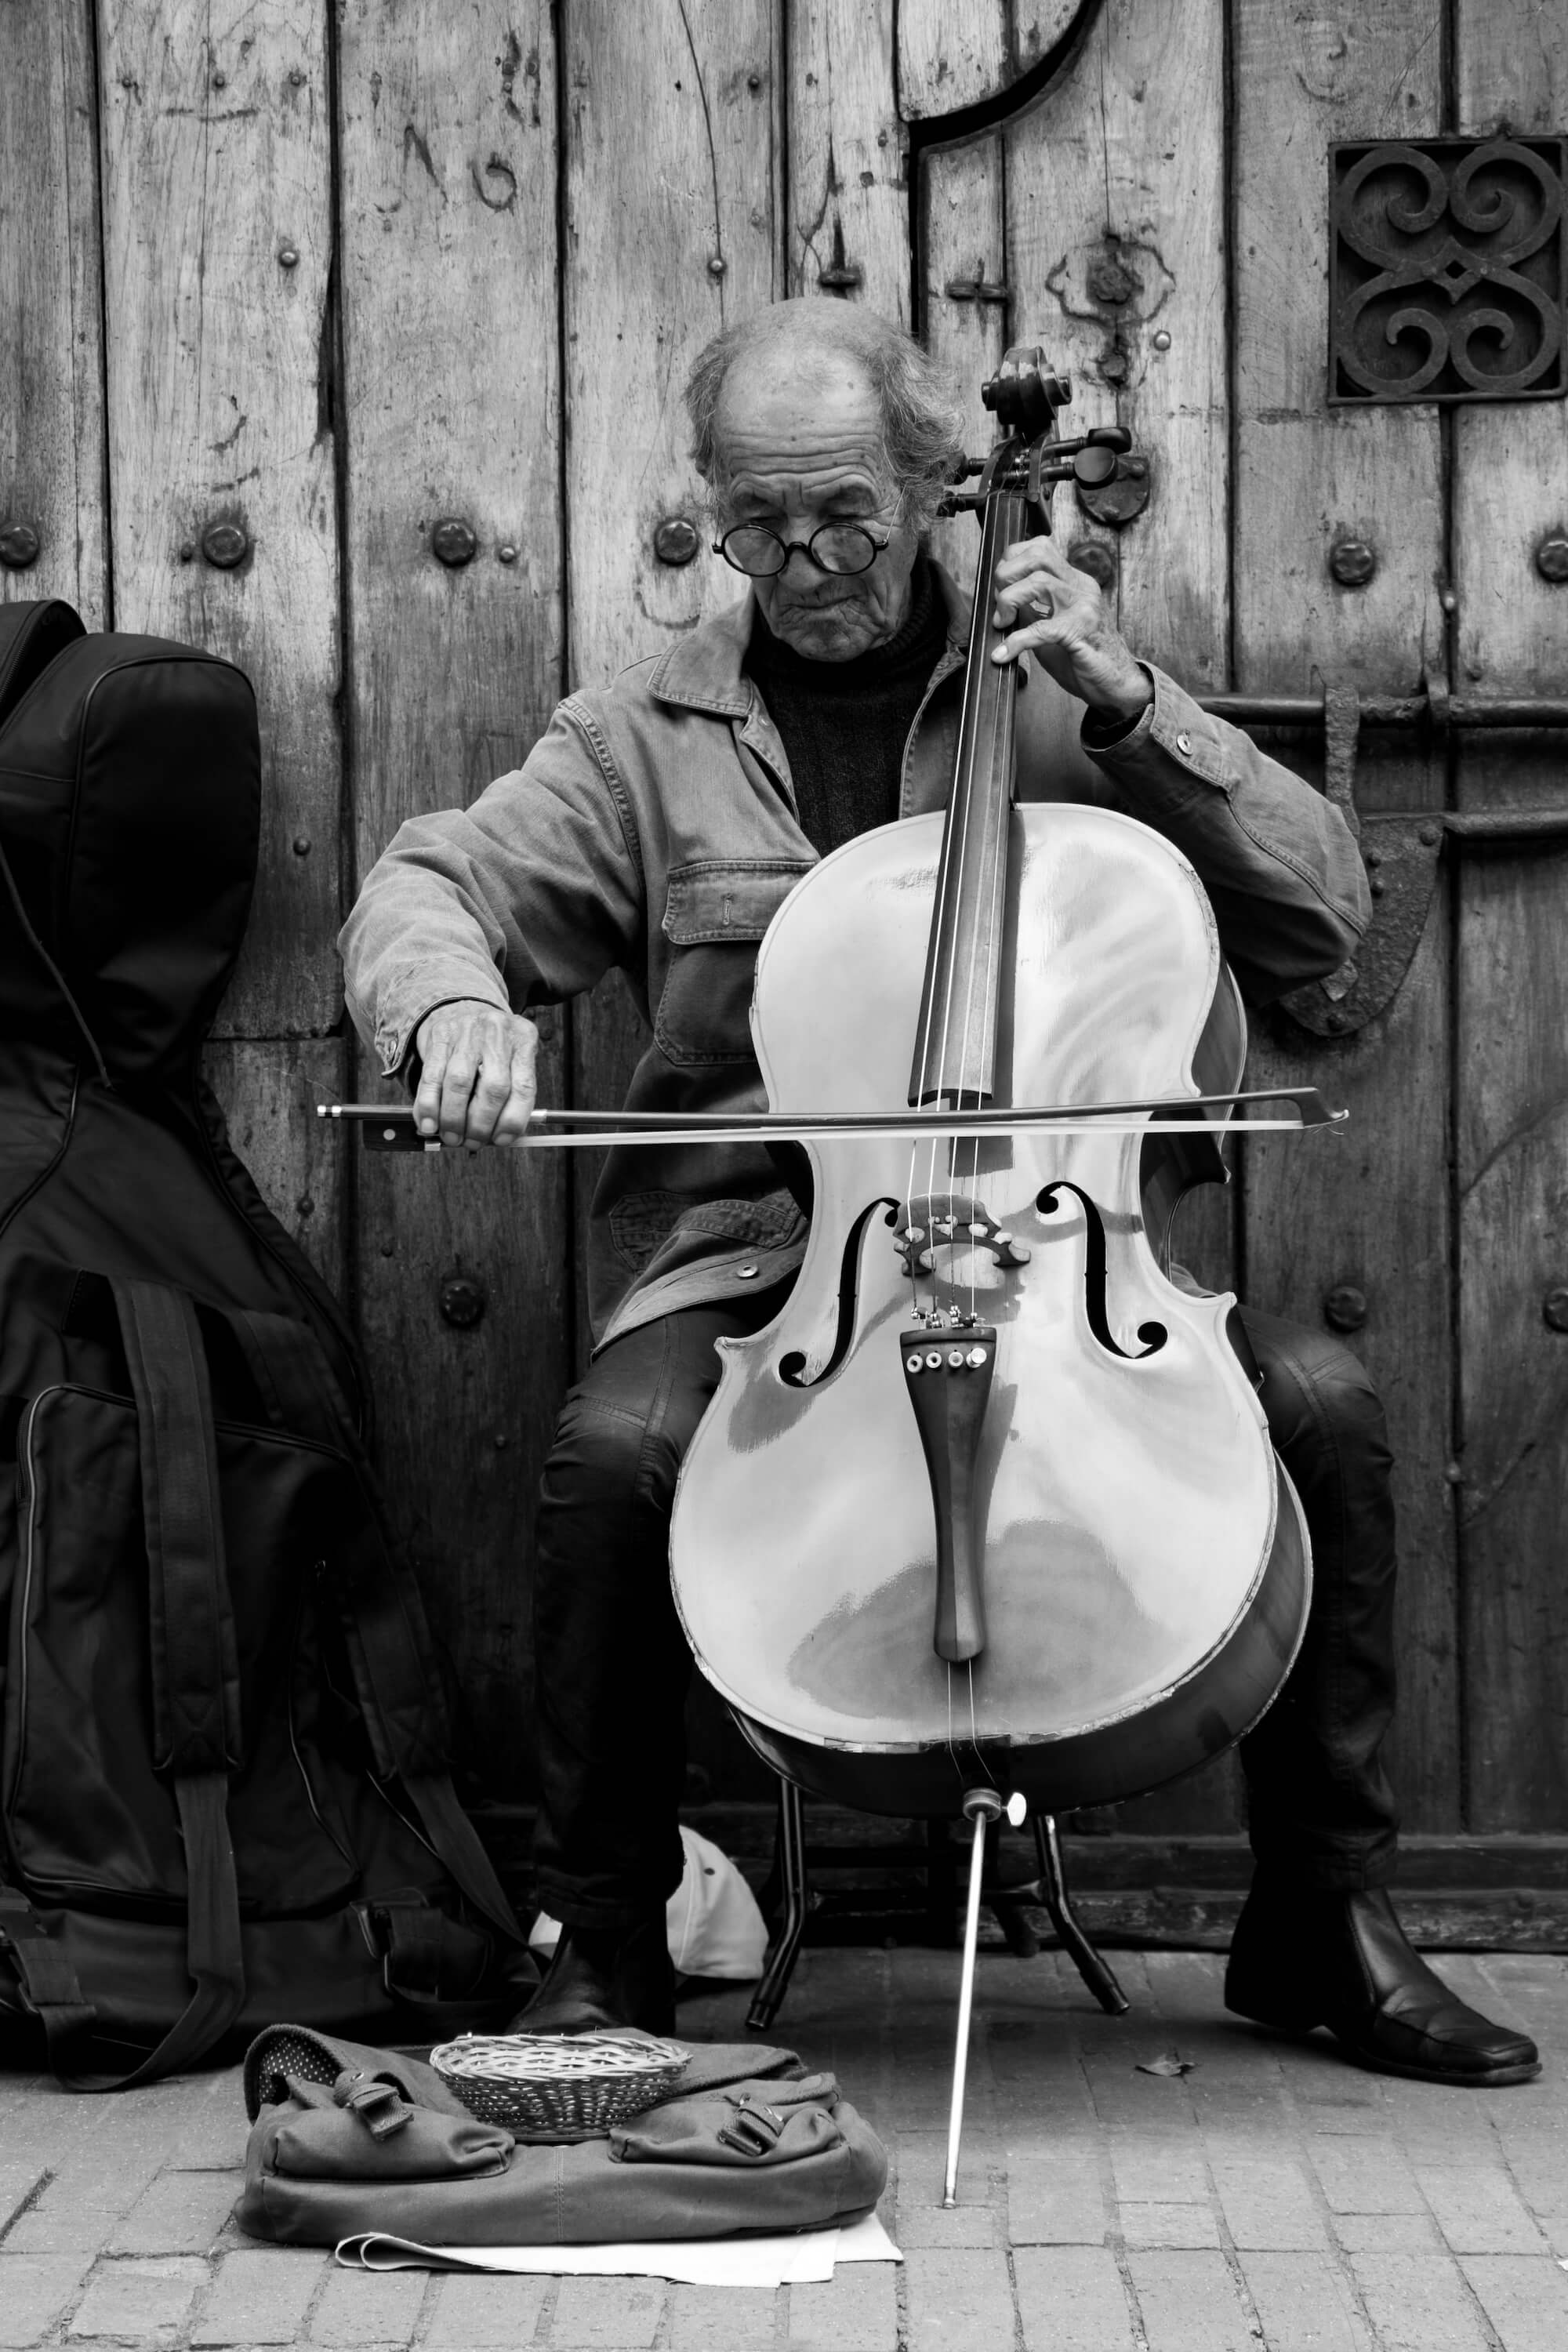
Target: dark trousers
{"type": "Point", "coordinates": [612, 1665]}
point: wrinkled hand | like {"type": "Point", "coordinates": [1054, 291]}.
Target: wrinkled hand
{"type": "Point", "coordinates": [1057, 613]}
{"type": "Point", "coordinates": [477, 1085]}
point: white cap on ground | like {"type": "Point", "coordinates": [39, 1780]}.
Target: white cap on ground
{"type": "Point", "coordinates": [714, 1926]}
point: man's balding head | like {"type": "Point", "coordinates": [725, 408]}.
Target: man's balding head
{"type": "Point", "coordinates": [812, 342]}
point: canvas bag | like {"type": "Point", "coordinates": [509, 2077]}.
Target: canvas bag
{"type": "Point", "coordinates": [346, 2140]}
{"type": "Point", "coordinates": [226, 1791]}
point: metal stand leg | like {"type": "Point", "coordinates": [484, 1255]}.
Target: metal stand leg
{"type": "Point", "coordinates": [1008, 1902]}
{"type": "Point", "coordinates": [980, 1806]}
{"type": "Point", "coordinates": [1096, 1972]}
{"type": "Point", "coordinates": [790, 1862]}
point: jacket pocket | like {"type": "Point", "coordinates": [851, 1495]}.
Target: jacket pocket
{"type": "Point", "coordinates": [715, 913]}
{"type": "Point", "coordinates": [642, 1224]}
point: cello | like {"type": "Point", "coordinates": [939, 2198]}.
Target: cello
{"type": "Point", "coordinates": [990, 1509]}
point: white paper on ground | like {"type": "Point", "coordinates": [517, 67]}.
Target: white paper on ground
{"type": "Point", "coordinates": [694, 2262]}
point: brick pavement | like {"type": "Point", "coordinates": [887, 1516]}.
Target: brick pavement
{"type": "Point", "coordinates": [1273, 2199]}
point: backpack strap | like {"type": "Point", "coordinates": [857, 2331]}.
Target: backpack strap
{"type": "Point", "coordinates": [389, 1639]}
{"type": "Point", "coordinates": [195, 1671]}
{"type": "Point", "coordinates": [195, 1666]}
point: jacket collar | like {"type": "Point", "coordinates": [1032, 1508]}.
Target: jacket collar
{"type": "Point", "coordinates": [702, 670]}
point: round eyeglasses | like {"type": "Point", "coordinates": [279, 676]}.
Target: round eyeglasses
{"type": "Point", "coordinates": [840, 547]}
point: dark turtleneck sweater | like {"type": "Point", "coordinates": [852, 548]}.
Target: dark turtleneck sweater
{"type": "Point", "coordinates": [844, 725]}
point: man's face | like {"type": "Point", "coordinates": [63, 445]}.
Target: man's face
{"type": "Point", "coordinates": [804, 446]}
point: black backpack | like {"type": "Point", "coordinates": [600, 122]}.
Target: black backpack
{"type": "Point", "coordinates": [226, 1793]}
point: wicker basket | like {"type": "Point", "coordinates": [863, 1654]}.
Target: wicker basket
{"type": "Point", "coordinates": [559, 2081]}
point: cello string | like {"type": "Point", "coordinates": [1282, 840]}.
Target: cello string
{"type": "Point", "coordinates": [979, 630]}
{"type": "Point", "coordinates": [952, 868]}
{"type": "Point", "coordinates": [993, 856]}
{"type": "Point", "coordinates": [951, 845]}
{"type": "Point", "coordinates": [998, 857]}
{"type": "Point", "coordinates": [959, 838]}
{"type": "Point", "coordinates": [968, 728]}
{"type": "Point", "coordinates": [990, 855]}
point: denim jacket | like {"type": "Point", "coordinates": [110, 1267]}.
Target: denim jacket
{"type": "Point", "coordinates": [654, 827]}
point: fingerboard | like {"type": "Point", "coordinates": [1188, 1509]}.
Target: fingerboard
{"type": "Point", "coordinates": [956, 1043]}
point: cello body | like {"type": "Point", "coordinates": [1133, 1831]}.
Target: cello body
{"type": "Point", "coordinates": [1140, 1572]}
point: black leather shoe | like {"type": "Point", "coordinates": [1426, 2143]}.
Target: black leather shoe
{"type": "Point", "coordinates": [1301, 1959]}
{"type": "Point", "coordinates": [601, 1978]}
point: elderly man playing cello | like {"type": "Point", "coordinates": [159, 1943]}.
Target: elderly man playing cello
{"type": "Point", "coordinates": [657, 826]}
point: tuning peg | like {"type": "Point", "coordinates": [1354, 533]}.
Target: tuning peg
{"type": "Point", "coordinates": [1094, 465]}
{"type": "Point", "coordinates": [1101, 437]}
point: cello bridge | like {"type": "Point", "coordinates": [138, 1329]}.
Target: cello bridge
{"type": "Point", "coordinates": [950, 1221]}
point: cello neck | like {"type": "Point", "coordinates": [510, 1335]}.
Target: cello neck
{"type": "Point", "coordinates": [955, 1041]}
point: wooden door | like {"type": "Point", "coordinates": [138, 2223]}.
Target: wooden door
{"type": "Point", "coordinates": [410, 317]}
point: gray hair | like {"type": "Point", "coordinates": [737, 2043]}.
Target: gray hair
{"type": "Point", "coordinates": [922, 418]}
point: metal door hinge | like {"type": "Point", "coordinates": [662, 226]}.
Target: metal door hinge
{"type": "Point", "coordinates": [1401, 852]}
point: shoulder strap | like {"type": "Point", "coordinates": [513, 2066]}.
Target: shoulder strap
{"type": "Point", "coordinates": [196, 1702]}
{"type": "Point", "coordinates": [389, 1639]}
{"type": "Point", "coordinates": [195, 1668]}
{"type": "Point", "coordinates": [195, 1671]}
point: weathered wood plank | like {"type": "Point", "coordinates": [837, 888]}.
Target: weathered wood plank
{"type": "Point", "coordinates": [449, 162]}
{"type": "Point", "coordinates": [270, 1089]}
{"type": "Point", "coordinates": [1133, 1892]}
{"type": "Point", "coordinates": [1511, 624]}
{"type": "Point", "coordinates": [951, 58]}
{"type": "Point", "coordinates": [1512, 1130]}
{"type": "Point", "coordinates": [675, 228]}
{"type": "Point", "coordinates": [1370, 1210]}
{"type": "Point", "coordinates": [848, 205]}
{"type": "Point", "coordinates": [216, 169]}
{"type": "Point", "coordinates": [51, 353]}
{"type": "Point", "coordinates": [1513, 1254]}
{"type": "Point", "coordinates": [672, 169]}
{"type": "Point", "coordinates": [961, 240]}
{"type": "Point", "coordinates": [1308, 475]}
{"type": "Point", "coordinates": [1115, 235]}
{"type": "Point", "coordinates": [465, 1409]}
{"type": "Point", "coordinates": [672, 207]}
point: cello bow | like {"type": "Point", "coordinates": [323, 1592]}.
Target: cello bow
{"type": "Point", "coordinates": [389, 1127]}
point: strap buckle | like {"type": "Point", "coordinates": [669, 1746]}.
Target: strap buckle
{"type": "Point", "coordinates": [757, 2129]}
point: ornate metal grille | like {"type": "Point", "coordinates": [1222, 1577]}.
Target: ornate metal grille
{"type": "Point", "coordinates": [1449, 269]}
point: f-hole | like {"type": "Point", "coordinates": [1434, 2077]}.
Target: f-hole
{"type": "Point", "coordinates": [791, 1368]}
{"type": "Point", "coordinates": [1153, 1335]}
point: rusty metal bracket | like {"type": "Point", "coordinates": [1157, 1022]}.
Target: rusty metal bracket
{"type": "Point", "coordinates": [1401, 852]}
{"type": "Point", "coordinates": [978, 288]}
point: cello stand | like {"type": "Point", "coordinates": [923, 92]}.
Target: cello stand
{"type": "Point", "coordinates": [789, 1870]}
{"type": "Point", "coordinates": [1096, 1972]}
{"type": "Point", "coordinates": [789, 1880]}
